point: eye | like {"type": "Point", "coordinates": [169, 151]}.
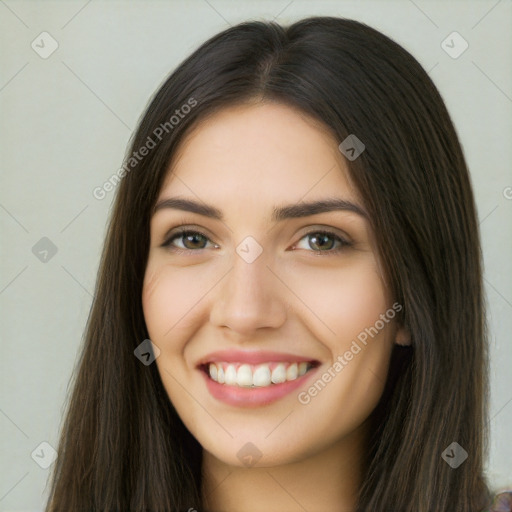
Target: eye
{"type": "Point", "coordinates": [322, 241]}
{"type": "Point", "coordinates": [190, 240]}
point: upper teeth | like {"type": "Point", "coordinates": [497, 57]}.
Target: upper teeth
{"type": "Point", "coordinates": [246, 375]}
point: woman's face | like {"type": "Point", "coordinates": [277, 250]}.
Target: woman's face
{"type": "Point", "coordinates": [263, 287]}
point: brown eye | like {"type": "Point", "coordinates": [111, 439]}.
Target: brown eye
{"type": "Point", "coordinates": [324, 242]}
{"type": "Point", "coordinates": [321, 241]}
{"type": "Point", "coordinates": [190, 240]}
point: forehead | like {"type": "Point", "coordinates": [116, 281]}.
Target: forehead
{"type": "Point", "coordinates": [258, 153]}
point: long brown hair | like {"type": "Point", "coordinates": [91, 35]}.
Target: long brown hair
{"type": "Point", "coordinates": [123, 446]}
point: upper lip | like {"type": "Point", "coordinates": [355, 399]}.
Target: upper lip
{"type": "Point", "coordinates": [253, 357]}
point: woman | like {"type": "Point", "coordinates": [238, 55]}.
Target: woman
{"type": "Point", "coordinates": [289, 312]}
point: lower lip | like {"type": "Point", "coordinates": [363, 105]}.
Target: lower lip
{"type": "Point", "coordinates": [253, 397]}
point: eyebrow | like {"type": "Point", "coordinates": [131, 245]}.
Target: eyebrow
{"type": "Point", "coordinates": [290, 211]}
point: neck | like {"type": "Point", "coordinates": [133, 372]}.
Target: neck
{"type": "Point", "coordinates": [327, 481]}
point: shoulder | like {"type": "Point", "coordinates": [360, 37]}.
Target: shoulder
{"type": "Point", "coordinates": [502, 502]}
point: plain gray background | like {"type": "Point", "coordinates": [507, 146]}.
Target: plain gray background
{"type": "Point", "coordinates": [65, 123]}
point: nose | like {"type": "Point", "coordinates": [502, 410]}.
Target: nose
{"type": "Point", "coordinates": [249, 297]}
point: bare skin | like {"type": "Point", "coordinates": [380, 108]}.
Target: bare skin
{"type": "Point", "coordinates": [298, 296]}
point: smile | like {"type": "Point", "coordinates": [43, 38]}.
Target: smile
{"type": "Point", "coordinates": [244, 379]}
{"type": "Point", "coordinates": [261, 375]}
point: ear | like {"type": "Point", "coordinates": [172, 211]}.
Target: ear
{"type": "Point", "coordinates": [403, 336]}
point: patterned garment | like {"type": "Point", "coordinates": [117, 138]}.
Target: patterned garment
{"type": "Point", "coordinates": [502, 503]}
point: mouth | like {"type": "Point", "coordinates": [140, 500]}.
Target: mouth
{"type": "Point", "coordinates": [262, 375]}
{"type": "Point", "coordinates": [242, 384]}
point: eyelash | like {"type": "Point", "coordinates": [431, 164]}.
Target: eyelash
{"type": "Point", "coordinates": [180, 233]}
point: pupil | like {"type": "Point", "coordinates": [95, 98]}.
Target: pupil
{"type": "Point", "coordinates": [320, 240]}
{"type": "Point", "coordinates": [193, 238]}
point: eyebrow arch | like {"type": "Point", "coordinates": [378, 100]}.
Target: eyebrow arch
{"type": "Point", "coordinates": [291, 211]}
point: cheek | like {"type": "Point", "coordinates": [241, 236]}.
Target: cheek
{"type": "Point", "coordinates": [350, 301]}
{"type": "Point", "coordinates": [344, 301]}
{"type": "Point", "coordinates": [170, 298]}
{"type": "Point", "coordinates": [158, 303]}
{"type": "Point", "coordinates": [170, 304]}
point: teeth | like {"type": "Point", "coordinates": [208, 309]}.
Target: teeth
{"type": "Point", "coordinates": [230, 375]}
{"type": "Point", "coordinates": [244, 375]}
{"type": "Point", "coordinates": [213, 371]}
{"type": "Point", "coordinates": [261, 376]}
{"type": "Point", "coordinates": [256, 376]}
{"type": "Point", "coordinates": [292, 372]}
{"type": "Point", "coordinates": [279, 374]}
